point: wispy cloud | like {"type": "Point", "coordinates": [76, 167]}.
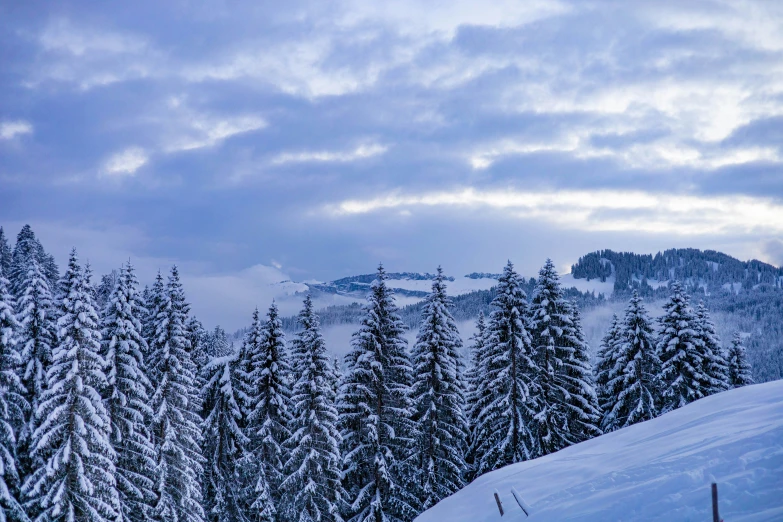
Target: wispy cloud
{"type": "Point", "coordinates": [598, 210]}
{"type": "Point", "coordinates": [661, 154]}
{"type": "Point", "coordinates": [361, 152]}
{"type": "Point", "coordinates": [87, 57]}
{"type": "Point", "coordinates": [11, 129]}
{"type": "Point", "coordinates": [205, 131]}
{"type": "Point", "coordinates": [125, 163]}
{"type": "Point", "coordinates": [443, 18]}
{"type": "Point", "coordinates": [61, 35]}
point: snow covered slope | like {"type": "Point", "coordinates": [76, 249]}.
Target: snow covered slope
{"type": "Point", "coordinates": [656, 470]}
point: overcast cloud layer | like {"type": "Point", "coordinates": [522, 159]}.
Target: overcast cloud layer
{"type": "Point", "coordinates": [262, 140]}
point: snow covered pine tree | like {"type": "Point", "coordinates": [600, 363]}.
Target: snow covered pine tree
{"type": "Point", "coordinates": [375, 415]}
{"type": "Point", "coordinates": [567, 410]}
{"type": "Point", "coordinates": [224, 443]}
{"type": "Point", "coordinates": [504, 387]}
{"type": "Point", "coordinates": [176, 426]}
{"type": "Point", "coordinates": [36, 337]}
{"type": "Point", "coordinates": [127, 398]}
{"type": "Point", "coordinates": [76, 478]}
{"type": "Point", "coordinates": [439, 399]}
{"type": "Point", "coordinates": [738, 367]}
{"type": "Point", "coordinates": [12, 405]}
{"type": "Point", "coordinates": [473, 382]}
{"type": "Point", "coordinates": [682, 377]}
{"type": "Point", "coordinates": [312, 491]}
{"type": "Point", "coordinates": [606, 360]}
{"type": "Point", "coordinates": [6, 256]}
{"type": "Point", "coordinates": [632, 376]}
{"type": "Point", "coordinates": [27, 249]}
{"type": "Point", "coordinates": [714, 365]}
{"type": "Point", "coordinates": [154, 300]}
{"type": "Point", "coordinates": [266, 403]}
{"type": "Point", "coordinates": [582, 402]}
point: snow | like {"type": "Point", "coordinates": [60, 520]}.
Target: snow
{"type": "Point", "coordinates": [593, 285]}
{"type": "Point", "coordinates": [656, 470]}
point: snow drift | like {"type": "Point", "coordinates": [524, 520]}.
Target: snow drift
{"type": "Point", "coordinates": [656, 470]}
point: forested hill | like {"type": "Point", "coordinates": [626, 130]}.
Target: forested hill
{"type": "Point", "coordinates": [708, 269]}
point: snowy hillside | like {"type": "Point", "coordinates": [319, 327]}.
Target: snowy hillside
{"type": "Point", "coordinates": [656, 470]}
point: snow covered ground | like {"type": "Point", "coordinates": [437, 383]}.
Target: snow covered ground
{"type": "Point", "coordinates": [656, 470]}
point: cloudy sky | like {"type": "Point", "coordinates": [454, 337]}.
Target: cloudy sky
{"type": "Point", "coordinates": [253, 141]}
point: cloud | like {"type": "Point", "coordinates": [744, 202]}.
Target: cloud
{"type": "Point", "coordinates": [294, 67]}
{"type": "Point", "coordinates": [11, 129]}
{"type": "Point", "coordinates": [754, 24]}
{"type": "Point", "coordinates": [61, 35]}
{"type": "Point", "coordinates": [229, 299]}
{"type": "Point", "coordinates": [392, 35]}
{"type": "Point", "coordinates": [443, 18]}
{"type": "Point", "coordinates": [125, 163]}
{"type": "Point", "coordinates": [662, 154]}
{"type": "Point", "coordinates": [82, 55]}
{"type": "Point", "coordinates": [361, 152]}
{"type": "Point", "coordinates": [204, 131]}
{"type": "Point", "coordinates": [599, 210]}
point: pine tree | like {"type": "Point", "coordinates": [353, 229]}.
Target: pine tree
{"type": "Point", "coordinates": [552, 328]}
{"type": "Point", "coordinates": [154, 301]}
{"type": "Point", "coordinates": [37, 335]}
{"type": "Point", "coordinates": [217, 344]}
{"type": "Point", "coordinates": [632, 377]}
{"type": "Point", "coordinates": [584, 414]}
{"type": "Point", "coordinates": [311, 490]}
{"type": "Point", "coordinates": [738, 368]}
{"type": "Point", "coordinates": [12, 404]}
{"type": "Point", "coordinates": [76, 480]}
{"type": "Point", "coordinates": [681, 378]}
{"type": "Point", "coordinates": [505, 391]}
{"type": "Point", "coordinates": [263, 505]}
{"type": "Point", "coordinates": [105, 289]}
{"type": "Point", "coordinates": [27, 249]}
{"type": "Point", "coordinates": [195, 333]}
{"type": "Point", "coordinates": [375, 414]}
{"type": "Point", "coordinates": [224, 442]}
{"type": "Point", "coordinates": [266, 403]}
{"type": "Point", "coordinates": [175, 424]}
{"type": "Point", "coordinates": [127, 398]}
{"type": "Point", "coordinates": [197, 337]}
{"type": "Point", "coordinates": [337, 376]}
{"type": "Point", "coordinates": [439, 399]}
{"type": "Point", "coordinates": [714, 365]}
{"type": "Point", "coordinates": [474, 393]}
{"type": "Point", "coordinates": [6, 256]}
{"type": "Point", "coordinates": [606, 361]}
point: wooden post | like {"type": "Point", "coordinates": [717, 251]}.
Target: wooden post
{"type": "Point", "coordinates": [500, 504]}
{"type": "Point", "coordinates": [522, 504]}
{"type": "Point", "coordinates": [715, 516]}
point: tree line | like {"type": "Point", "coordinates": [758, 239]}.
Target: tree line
{"type": "Point", "coordinates": [122, 412]}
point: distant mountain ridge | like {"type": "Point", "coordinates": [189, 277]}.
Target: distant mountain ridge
{"type": "Point", "coordinates": [713, 271]}
{"type": "Point", "coordinates": [361, 283]}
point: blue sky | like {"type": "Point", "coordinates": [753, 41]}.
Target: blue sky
{"type": "Point", "coordinates": [253, 141]}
